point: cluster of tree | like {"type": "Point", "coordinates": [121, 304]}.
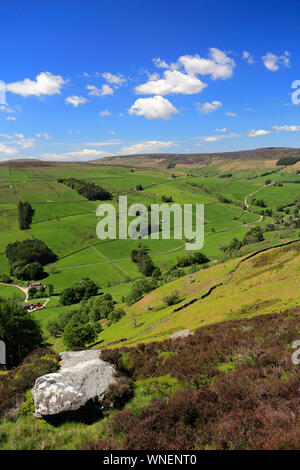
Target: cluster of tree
{"type": "Point", "coordinates": [193, 258]}
{"type": "Point", "coordinates": [25, 214]}
{"type": "Point", "coordinates": [225, 175]}
{"type": "Point", "coordinates": [223, 199]}
{"type": "Point", "coordinates": [83, 289]}
{"type": "Point", "coordinates": [19, 331]}
{"type": "Point", "coordinates": [30, 251]}
{"type": "Point", "coordinates": [90, 191]}
{"type": "Point", "coordinates": [32, 271]}
{"type": "Point", "coordinates": [81, 326]}
{"type": "Point", "coordinates": [171, 165]}
{"type": "Point", "coordinates": [27, 258]}
{"type": "Point", "coordinates": [167, 199]}
{"type": "Point", "coordinates": [288, 161]}
{"type": "Point", "coordinates": [259, 202]}
{"type": "Point", "coordinates": [254, 235]}
{"type": "Point", "coordinates": [143, 260]}
{"type": "Point", "coordinates": [139, 187]}
{"type": "Point", "coordinates": [139, 289]}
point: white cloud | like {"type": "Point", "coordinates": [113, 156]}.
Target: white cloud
{"type": "Point", "coordinates": [254, 133]}
{"type": "Point", "coordinates": [173, 82]}
{"type": "Point", "coordinates": [147, 147]}
{"type": "Point", "coordinates": [216, 138]}
{"type": "Point", "coordinates": [156, 107]}
{"type": "Point", "coordinates": [7, 151]}
{"type": "Point", "coordinates": [75, 100]}
{"type": "Point", "coordinates": [287, 128]}
{"type": "Point", "coordinates": [248, 57]}
{"type": "Point", "coordinates": [6, 136]}
{"type": "Point", "coordinates": [11, 118]}
{"type": "Point", "coordinates": [104, 113]}
{"type": "Point", "coordinates": [231, 114]}
{"type": "Point", "coordinates": [84, 154]}
{"type": "Point", "coordinates": [162, 64]}
{"type": "Point", "coordinates": [23, 142]}
{"type": "Point", "coordinates": [103, 144]}
{"type": "Point", "coordinates": [104, 91]}
{"type": "Point", "coordinates": [117, 80]}
{"type": "Point", "coordinates": [6, 109]}
{"type": "Point", "coordinates": [45, 84]}
{"type": "Point", "coordinates": [218, 65]}
{"type": "Point", "coordinates": [272, 61]}
{"type": "Point", "coordinates": [224, 129]}
{"type": "Point", "coordinates": [207, 107]}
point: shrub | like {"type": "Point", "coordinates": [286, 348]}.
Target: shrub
{"type": "Point", "coordinates": [14, 384]}
{"type": "Point", "coordinates": [172, 299]}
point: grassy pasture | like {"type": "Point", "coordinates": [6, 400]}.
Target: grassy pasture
{"type": "Point", "coordinates": [8, 292]}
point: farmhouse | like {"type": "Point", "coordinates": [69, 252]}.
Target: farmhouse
{"type": "Point", "coordinates": [37, 285]}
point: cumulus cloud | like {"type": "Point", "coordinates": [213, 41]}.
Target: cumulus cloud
{"type": "Point", "coordinates": [117, 80]}
{"type": "Point", "coordinates": [104, 91]}
{"type": "Point", "coordinates": [6, 109]}
{"type": "Point", "coordinates": [104, 113]}
{"type": "Point", "coordinates": [256, 133]}
{"type": "Point", "coordinates": [218, 65]}
{"type": "Point", "coordinates": [208, 108]}
{"type": "Point", "coordinates": [147, 147]}
{"type": "Point", "coordinates": [84, 154]}
{"type": "Point", "coordinates": [162, 64]}
{"type": "Point", "coordinates": [44, 84]}
{"type": "Point", "coordinates": [173, 82]}
{"type": "Point", "coordinates": [7, 151]}
{"type": "Point", "coordinates": [156, 107]}
{"type": "Point", "coordinates": [11, 118]}
{"type": "Point", "coordinates": [75, 100]}
{"type": "Point", "coordinates": [287, 128]}
{"type": "Point", "coordinates": [272, 62]}
{"type": "Point", "coordinates": [224, 129]}
{"type": "Point", "coordinates": [231, 114]}
{"type": "Point", "coordinates": [248, 57]}
{"type": "Point", "coordinates": [216, 138]}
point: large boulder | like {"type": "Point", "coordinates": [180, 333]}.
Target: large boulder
{"type": "Point", "coordinates": [181, 334]}
{"type": "Point", "coordinates": [82, 377]}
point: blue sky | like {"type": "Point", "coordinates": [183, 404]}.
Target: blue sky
{"type": "Point", "coordinates": [88, 79]}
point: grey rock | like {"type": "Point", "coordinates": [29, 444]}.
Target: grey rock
{"type": "Point", "coordinates": [181, 334]}
{"type": "Point", "coordinates": [82, 376]}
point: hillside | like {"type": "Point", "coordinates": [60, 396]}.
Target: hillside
{"type": "Point", "coordinates": [266, 283]}
{"type": "Point", "coordinates": [261, 158]}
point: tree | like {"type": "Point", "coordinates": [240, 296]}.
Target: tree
{"type": "Point", "coordinates": [19, 331]}
{"type": "Point", "coordinates": [77, 335]}
{"type": "Point", "coordinates": [69, 296]}
{"type": "Point", "coordinates": [25, 213]}
{"type": "Point", "coordinates": [53, 328]}
{"type": "Point", "coordinates": [116, 315]}
{"type": "Point", "coordinates": [50, 289]}
{"type": "Point", "coordinates": [32, 271]}
{"type": "Point", "coordinates": [83, 289]}
{"type": "Point", "coordinates": [167, 199]}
